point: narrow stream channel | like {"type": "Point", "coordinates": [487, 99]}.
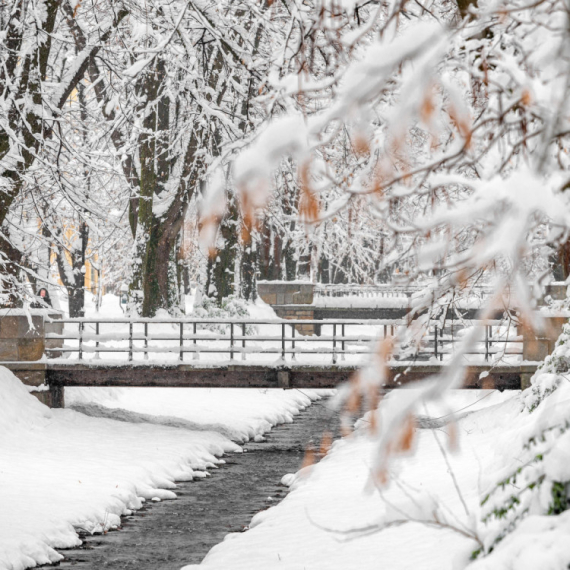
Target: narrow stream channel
{"type": "Point", "coordinates": [170, 534]}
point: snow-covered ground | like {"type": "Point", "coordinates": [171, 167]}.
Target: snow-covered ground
{"type": "Point", "coordinates": [240, 414]}
{"type": "Point", "coordinates": [61, 470]}
{"type": "Point", "coordinates": [315, 526]}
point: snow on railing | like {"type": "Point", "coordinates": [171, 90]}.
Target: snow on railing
{"type": "Point", "coordinates": [380, 290]}
{"type": "Point", "coordinates": [211, 340]}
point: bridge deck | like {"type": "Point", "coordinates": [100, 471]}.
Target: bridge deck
{"type": "Point", "coordinates": [59, 374]}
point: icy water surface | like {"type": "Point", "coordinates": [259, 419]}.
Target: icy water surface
{"type": "Point", "coordinates": [170, 534]}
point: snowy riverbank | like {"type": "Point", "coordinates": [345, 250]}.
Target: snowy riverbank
{"type": "Point", "coordinates": [61, 470]}
{"type": "Point", "coordinates": [314, 527]}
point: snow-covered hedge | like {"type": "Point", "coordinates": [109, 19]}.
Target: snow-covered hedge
{"type": "Point", "coordinates": [232, 307]}
{"type": "Point", "coordinates": [524, 509]}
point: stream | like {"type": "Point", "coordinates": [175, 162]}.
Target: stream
{"type": "Point", "coordinates": [171, 534]}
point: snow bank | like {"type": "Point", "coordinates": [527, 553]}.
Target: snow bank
{"type": "Point", "coordinates": [317, 524]}
{"type": "Point", "coordinates": [240, 414]}
{"type": "Point", "coordinates": [61, 470]}
{"type": "Point", "coordinates": [525, 518]}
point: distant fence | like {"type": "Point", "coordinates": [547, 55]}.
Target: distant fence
{"type": "Point", "coordinates": [381, 290]}
{"type": "Point", "coordinates": [378, 290]}
{"type": "Point", "coordinates": [215, 340]}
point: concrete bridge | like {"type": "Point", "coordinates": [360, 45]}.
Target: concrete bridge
{"type": "Point", "coordinates": [188, 352]}
{"type": "Point", "coordinates": [58, 375]}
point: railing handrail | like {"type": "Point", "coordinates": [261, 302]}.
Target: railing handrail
{"type": "Point", "coordinates": [222, 321]}
{"type": "Point", "coordinates": [251, 321]}
{"type": "Point", "coordinates": [321, 289]}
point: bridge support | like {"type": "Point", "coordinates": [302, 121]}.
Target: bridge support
{"type": "Point", "coordinates": [283, 379]}
{"type": "Point", "coordinates": [23, 344]}
{"type": "Point", "coordinates": [56, 396]}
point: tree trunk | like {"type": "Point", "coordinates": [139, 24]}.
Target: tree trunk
{"type": "Point", "coordinates": [73, 275]}
{"type": "Point", "coordinates": [248, 270]}
{"type": "Point", "coordinates": [561, 262]}
{"type": "Point", "coordinates": [290, 259]}
{"type": "Point", "coordinates": [10, 259]}
{"type": "Point", "coordinates": [221, 269]}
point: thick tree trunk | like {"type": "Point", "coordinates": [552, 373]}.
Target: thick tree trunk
{"type": "Point", "coordinates": [73, 275]}
{"type": "Point", "coordinates": [271, 255]}
{"type": "Point", "coordinates": [221, 269]}
{"type": "Point", "coordinates": [10, 258]}
{"type": "Point", "coordinates": [290, 260]}
{"type": "Point", "coordinates": [161, 286]}
{"type": "Point", "coordinates": [304, 266]}
{"type": "Point", "coordinates": [324, 270]}
{"type": "Point", "coordinates": [248, 271]}
{"type": "Point", "coordinates": [561, 262]}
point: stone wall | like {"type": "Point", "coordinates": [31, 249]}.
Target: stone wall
{"type": "Point", "coordinates": [556, 291]}
{"type": "Point", "coordinates": [21, 338]}
{"type": "Point", "coordinates": [289, 299]}
{"type": "Point", "coordinates": [537, 345]}
{"type": "Point", "coordinates": [286, 292]}
{"type": "Point", "coordinates": [297, 313]}
{"type": "Point", "coordinates": [23, 344]}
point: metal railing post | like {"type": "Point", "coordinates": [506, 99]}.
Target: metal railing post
{"type": "Point", "coordinates": [293, 356]}
{"type": "Point", "coordinates": [435, 341]}
{"type": "Point", "coordinates": [130, 341]}
{"type": "Point", "coordinates": [283, 341]}
{"type": "Point", "coordinates": [196, 355]}
{"type": "Point", "coordinates": [342, 342]}
{"type": "Point", "coordinates": [486, 342]}
{"type": "Point", "coordinates": [231, 341]}
{"type": "Point", "coordinates": [243, 341]}
{"type": "Point", "coordinates": [334, 344]}
{"type": "Point", "coordinates": [81, 325]}
{"type": "Point", "coordinates": [97, 340]}
{"type": "Point", "coordinates": [146, 341]}
{"type": "Point", "coordinates": [181, 356]}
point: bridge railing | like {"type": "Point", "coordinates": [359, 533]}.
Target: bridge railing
{"type": "Point", "coordinates": [215, 340]}
{"type": "Point", "coordinates": [378, 290]}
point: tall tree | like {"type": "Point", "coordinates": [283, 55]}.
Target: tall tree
{"type": "Point", "coordinates": [35, 83]}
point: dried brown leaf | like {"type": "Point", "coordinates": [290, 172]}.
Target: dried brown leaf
{"type": "Point", "coordinates": [326, 443]}
{"type": "Point", "coordinates": [407, 436]}
{"type": "Point", "coordinates": [308, 202]}
{"type": "Point", "coordinates": [309, 458]}
{"type": "Point", "coordinates": [361, 144]}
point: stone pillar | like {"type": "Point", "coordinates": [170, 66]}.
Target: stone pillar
{"type": "Point", "coordinates": [525, 379]}
{"type": "Point", "coordinates": [22, 338]}
{"type": "Point", "coordinates": [297, 313]}
{"type": "Point", "coordinates": [290, 300]}
{"type": "Point", "coordinates": [537, 345]}
{"type": "Point", "coordinates": [286, 292]}
{"type": "Point", "coordinates": [556, 291]}
{"type": "Point", "coordinates": [22, 341]}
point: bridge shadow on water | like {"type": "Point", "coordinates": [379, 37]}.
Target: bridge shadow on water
{"type": "Point", "coordinates": [170, 534]}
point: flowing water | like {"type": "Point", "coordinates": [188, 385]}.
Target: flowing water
{"type": "Point", "coordinates": [170, 534]}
